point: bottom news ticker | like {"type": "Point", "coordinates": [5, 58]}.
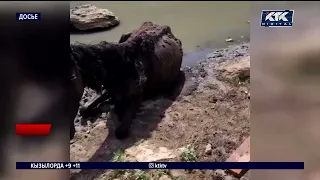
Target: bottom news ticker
{"type": "Point", "coordinates": [160, 165]}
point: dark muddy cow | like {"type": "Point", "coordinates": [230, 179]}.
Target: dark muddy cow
{"type": "Point", "coordinates": [86, 72]}
{"type": "Point", "coordinates": [144, 63]}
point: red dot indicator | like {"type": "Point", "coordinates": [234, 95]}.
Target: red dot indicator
{"type": "Point", "coordinates": [33, 129]}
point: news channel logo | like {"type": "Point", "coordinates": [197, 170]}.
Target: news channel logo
{"type": "Point", "coordinates": [28, 16]}
{"type": "Point", "coordinates": [277, 18]}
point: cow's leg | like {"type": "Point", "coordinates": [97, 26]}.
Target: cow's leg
{"type": "Point", "coordinates": [125, 36]}
{"type": "Point", "coordinates": [126, 111]}
{"type": "Point", "coordinates": [75, 102]}
{"type": "Point", "coordinates": [175, 88]}
{"type": "Point", "coordinates": [119, 108]}
{"type": "Point", "coordinates": [90, 108]}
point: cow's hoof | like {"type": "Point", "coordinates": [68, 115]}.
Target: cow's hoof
{"type": "Point", "coordinates": [122, 132]}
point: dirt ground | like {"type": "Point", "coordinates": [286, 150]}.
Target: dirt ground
{"type": "Point", "coordinates": [206, 122]}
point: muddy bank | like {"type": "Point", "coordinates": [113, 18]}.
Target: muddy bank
{"type": "Point", "coordinates": [206, 122]}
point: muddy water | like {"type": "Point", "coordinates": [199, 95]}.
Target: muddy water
{"type": "Point", "coordinates": [201, 26]}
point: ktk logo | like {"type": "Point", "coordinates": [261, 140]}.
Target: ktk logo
{"type": "Point", "coordinates": [276, 16]}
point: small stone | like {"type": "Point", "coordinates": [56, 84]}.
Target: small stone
{"type": "Point", "coordinates": [220, 173]}
{"type": "Point", "coordinates": [104, 115]}
{"type": "Point", "coordinates": [88, 132]}
{"type": "Point", "coordinates": [229, 40]}
{"type": "Point", "coordinates": [89, 123]}
{"type": "Point", "coordinates": [208, 149]}
{"type": "Point", "coordinates": [248, 95]}
{"type": "Point", "coordinates": [248, 21]}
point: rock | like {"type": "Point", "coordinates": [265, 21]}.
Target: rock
{"type": "Point", "coordinates": [208, 149]}
{"type": "Point", "coordinates": [147, 152]}
{"type": "Point", "coordinates": [235, 68]}
{"type": "Point", "coordinates": [87, 17]}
